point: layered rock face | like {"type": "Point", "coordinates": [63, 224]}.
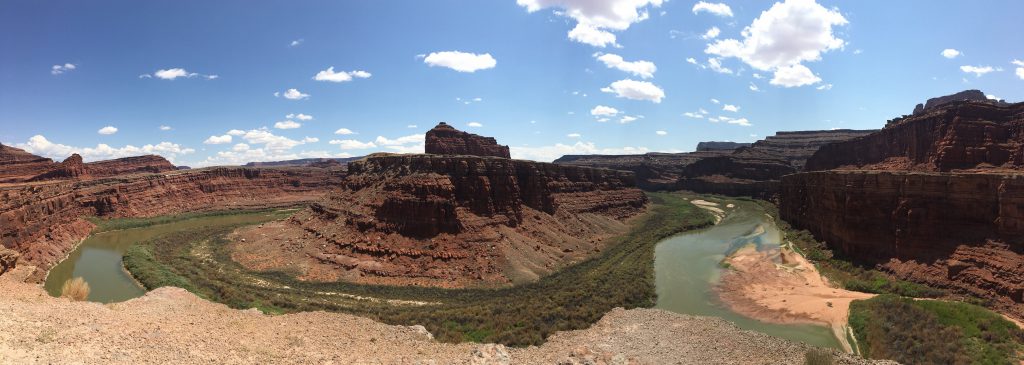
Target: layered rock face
{"type": "Point", "coordinates": [43, 221]}
{"type": "Point", "coordinates": [653, 171]}
{"type": "Point", "coordinates": [936, 198]}
{"type": "Point", "coordinates": [306, 162]}
{"type": "Point", "coordinates": [755, 171]}
{"type": "Point", "coordinates": [446, 140]}
{"type": "Point", "coordinates": [16, 165]}
{"type": "Point", "coordinates": [961, 135]}
{"type": "Point", "coordinates": [975, 95]}
{"type": "Point", "coordinates": [450, 221]}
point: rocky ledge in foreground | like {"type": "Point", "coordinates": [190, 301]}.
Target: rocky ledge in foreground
{"type": "Point", "coordinates": [170, 325]}
{"type": "Point", "coordinates": [448, 220]}
{"type": "Point", "coordinates": [936, 198]}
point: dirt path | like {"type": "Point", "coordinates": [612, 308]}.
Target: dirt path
{"type": "Point", "coordinates": [781, 286]}
{"type": "Point", "coordinates": [170, 325]}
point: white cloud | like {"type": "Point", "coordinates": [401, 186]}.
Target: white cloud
{"type": "Point", "coordinates": [236, 132]}
{"type": "Point", "coordinates": [251, 154]}
{"type": "Point", "coordinates": [593, 36]}
{"type": "Point", "coordinates": [287, 124]}
{"type": "Point", "coordinates": [627, 119]}
{"type": "Point", "coordinates": [411, 126]}
{"type": "Point", "coordinates": [108, 130]}
{"type": "Point", "coordinates": [693, 115]}
{"type": "Point", "coordinates": [344, 131]}
{"type": "Point", "coordinates": [59, 69]}
{"type": "Point", "coordinates": [661, 133]}
{"type": "Point", "coordinates": [165, 127]}
{"type": "Point", "coordinates": [293, 94]}
{"type": "Point", "coordinates": [269, 140]}
{"type": "Point", "coordinates": [211, 77]}
{"type": "Point", "coordinates": [296, 42]}
{"type": "Point", "coordinates": [757, 76]}
{"type": "Point", "coordinates": [310, 140]}
{"type": "Point", "coordinates": [596, 19]}
{"type": "Point", "coordinates": [705, 112]}
{"type": "Point", "coordinates": [636, 90]}
{"type": "Point", "coordinates": [730, 108]}
{"type": "Point", "coordinates": [978, 71]}
{"type": "Point", "coordinates": [691, 60]}
{"type": "Point", "coordinates": [824, 87]}
{"type": "Point", "coordinates": [461, 61]}
{"type": "Point", "coordinates": [474, 125]}
{"type": "Point", "coordinates": [39, 145]}
{"type": "Point", "coordinates": [992, 97]}
{"type": "Point", "coordinates": [794, 76]}
{"type": "Point", "coordinates": [299, 116]}
{"type": "Point", "coordinates": [218, 139]}
{"type": "Point", "coordinates": [713, 8]}
{"type": "Point", "coordinates": [603, 111]}
{"type": "Point", "coordinates": [573, 135]}
{"type": "Point", "coordinates": [173, 73]}
{"type": "Point", "coordinates": [1020, 68]}
{"type": "Point", "coordinates": [240, 147]}
{"type": "Point", "coordinates": [754, 87]}
{"type": "Point", "coordinates": [716, 65]}
{"type": "Point", "coordinates": [737, 121]}
{"type": "Point", "coordinates": [407, 144]}
{"type": "Point", "coordinates": [783, 37]}
{"type": "Point", "coordinates": [712, 33]}
{"type": "Point", "coordinates": [715, 101]}
{"type": "Point", "coordinates": [330, 75]}
{"type": "Point", "coordinates": [643, 69]}
{"type": "Point", "coordinates": [351, 144]}
{"type": "Point", "coordinates": [950, 53]}
{"type": "Point", "coordinates": [550, 153]}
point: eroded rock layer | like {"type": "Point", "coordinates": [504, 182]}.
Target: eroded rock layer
{"type": "Point", "coordinates": [963, 231]}
{"type": "Point", "coordinates": [449, 221]}
{"type": "Point", "coordinates": [446, 140]}
{"type": "Point", "coordinates": [936, 198]}
{"type": "Point", "coordinates": [43, 221]}
{"type": "Point", "coordinates": [16, 165]}
{"type": "Point", "coordinates": [961, 135]}
{"type": "Point", "coordinates": [654, 171]}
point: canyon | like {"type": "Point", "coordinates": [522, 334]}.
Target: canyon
{"type": "Point", "coordinates": [44, 220]}
{"type": "Point", "coordinates": [936, 197]}
{"type": "Point", "coordinates": [453, 219]}
{"type": "Point", "coordinates": [727, 168]}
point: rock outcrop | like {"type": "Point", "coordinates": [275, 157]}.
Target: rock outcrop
{"type": "Point", "coordinates": [306, 162]}
{"type": "Point", "coordinates": [936, 198]}
{"type": "Point", "coordinates": [8, 259]}
{"type": "Point", "coordinates": [74, 168]}
{"type": "Point", "coordinates": [446, 140]}
{"type": "Point", "coordinates": [43, 221]}
{"type": "Point", "coordinates": [452, 220]}
{"type": "Point", "coordinates": [16, 165]}
{"type": "Point", "coordinates": [975, 95]}
{"type": "Point", "coordinates": [961, 135]}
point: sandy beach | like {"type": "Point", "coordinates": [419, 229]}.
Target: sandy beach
{"type": "Point", "coordinates": [781, 286]}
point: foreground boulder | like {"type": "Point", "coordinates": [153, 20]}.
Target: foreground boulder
{"type": "Point", "coordinates": [936, 198]}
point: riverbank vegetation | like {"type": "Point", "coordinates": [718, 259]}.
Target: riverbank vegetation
{"type": "Point", "coordinates": [622, 275]}
{"type": "Point", "coordinates": [934, 332]}
{"type": "Point", "coordinates": [105, 225]}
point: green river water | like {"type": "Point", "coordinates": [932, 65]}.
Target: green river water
{"type": "Point", "coordinates": [686, 266]}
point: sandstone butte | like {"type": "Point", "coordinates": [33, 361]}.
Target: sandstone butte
{"type": "Point", "coordinates": [936, 197]}
{"type": "Point", "coordinates": [43, 220]}
{"type": "Point", "coordinates": [446, 140]}
{"type": "Point", "coordinates": [722, 167]}
{"type": "Point", "coordinates": [452, 219]}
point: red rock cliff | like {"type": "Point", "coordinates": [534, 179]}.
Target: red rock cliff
{"type": "Point", "coordinates": [44, 221]}
{"type": "Point", "coordinates": [446, 140]}
{"type": "Point", "coordinates": [455, 220]}
{"type": "Point", "coordinates": [16, 165]}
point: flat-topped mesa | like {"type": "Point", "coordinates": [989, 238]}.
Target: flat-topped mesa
{"type": "Point", "coordinates": [17, 165]}
{"type": "Point", "coordinates": [446, 140]}
{"type": "Point", "coordinates": [957, 135]}
{"type": "Point", "coordinates": [975, 95]}
{"type": "Point", "coordinates": [73, 167]}
{"type": "Point", "coordinates": [720, 146]}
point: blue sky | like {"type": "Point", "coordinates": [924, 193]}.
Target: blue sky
{"type": "Point", "coordinates": [547, 77]}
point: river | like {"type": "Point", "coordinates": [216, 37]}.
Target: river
{"type": "Point", "coordinates": [687, 266]}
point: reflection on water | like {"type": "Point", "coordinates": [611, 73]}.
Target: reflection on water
{"type": "Point", "coordinates": [687, 267]}
{"type": "Point", "coordinates": [98, 258]}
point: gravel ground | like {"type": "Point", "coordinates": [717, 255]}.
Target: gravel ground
{"type": "Point", "coordinates": [170, 325]}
